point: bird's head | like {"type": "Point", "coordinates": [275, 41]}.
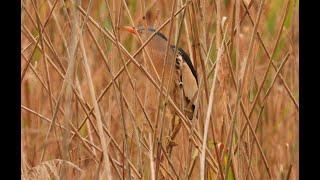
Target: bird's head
{"type": "Point", "coordinates": [158, 42]}
{"type": "Point", "coordinates": [179, 61]}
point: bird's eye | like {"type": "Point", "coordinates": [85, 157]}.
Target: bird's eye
{"type": "Point", "coordinates": [139, 29]}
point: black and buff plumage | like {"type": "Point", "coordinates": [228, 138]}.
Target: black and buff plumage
{"type": "Point", "coordinates": [185, 56]}
{"type": "Point", "coordinates": [185, 78]}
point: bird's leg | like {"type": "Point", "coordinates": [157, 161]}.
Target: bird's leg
{"type": "Point", "coordinates": [171, 143]}
{"type": "Point", "coordinates": [176, 130]}
{"type": "Point", "coordinates": [175, 127]}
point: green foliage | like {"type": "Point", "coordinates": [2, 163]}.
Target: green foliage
{"type": "Point", "coordinates": [291, 10]}
{"type": "Point", "coordinates": [252, 93]}
{"type": "Point", "coordinates": [36, 56]}
{"type": "Point", "coordinates": [230, 174]}
{"type": "Point", "coordinates": [195, 153]}
{"type": "Point", "coordinates": [132, 5]}
{"type": "Point", "coordinates": [103, 7]}
{"type": "Point", "coordinates": [280, 48]}
{"type": "Point", "coordinates": [210, 144]}
{"type": "Point", "coordinates": [83, 131]}
{"type": "Point", "coordinates": [107, 23]}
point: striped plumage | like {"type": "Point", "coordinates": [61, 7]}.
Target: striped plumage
{"type": "Point", "coordinates": [184, 81]}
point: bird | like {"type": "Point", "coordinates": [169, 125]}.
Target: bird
{"type": "Point", "coordinates": [183, 84]}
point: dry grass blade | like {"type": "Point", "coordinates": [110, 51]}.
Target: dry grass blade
{"type": "Point", "coordinates": [98, 102]}
{"type": "Point", "coordinates": [289, 172]}
{"type": "Point", "coordinates": [104, 141]}
{"type": "Point", "coordinates": [208, 115]}
{"type": "Point", "coordinates": [49, 169]}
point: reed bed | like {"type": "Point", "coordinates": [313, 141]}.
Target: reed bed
{"type": "Point", "coordinates": [84, 90]}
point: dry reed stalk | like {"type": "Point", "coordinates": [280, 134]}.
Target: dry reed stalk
{"type": "Point", "coordinates": [108, 34]}
{"type": "Point", "coordinates": [67, 80]}
{"type": "Point", "coordinates": [106, 172]}
{"type": "Point", "coordinates": [49, 169]}
{"type": "Point", "coordinates": [54, 16]}
{"type": "Point", "coordinates": [180, 114]}
{"type": "Point", "coordinates": [151, 158]}
{"type": "Point", "coordinates": [131, 57]}
{"type": "Point", "coordinates": [109, 69]}
{"type": "Point", "coordinates": [41, 31]}
{"type": "Point", "coordinates": [208, 115]}
{"type": "Point", "coordinates": [84, 141]}
{"type": "Point", "coordinates": [269, 64]}
{"type": "Point", "coordinates": [237, 37]}
{"type": "Point", "coordinates": [241, 153]}
{"type": "Point", "coordinates": [162, 84]}
{"type": "Point", "coordinates": [269, 55]}
{"type": "Point", "coordinates": [252, 144]}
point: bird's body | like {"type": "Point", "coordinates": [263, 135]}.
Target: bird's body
{"type": "Point", "coordinates": [180, 77]}
{"type": "Point", "coordinates": [179, 80]}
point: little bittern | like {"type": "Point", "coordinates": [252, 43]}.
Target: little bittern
{"type": "Point", "coordinates": [182, 83]}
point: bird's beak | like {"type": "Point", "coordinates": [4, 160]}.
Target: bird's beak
{"type": "Point", "coordinates": [129, 29]}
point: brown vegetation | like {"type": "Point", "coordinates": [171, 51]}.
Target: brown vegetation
{"type": "Point", "coordinates": [85, 90]}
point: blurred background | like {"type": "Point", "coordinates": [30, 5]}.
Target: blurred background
{"type": "Point", "coordinates": [72, 56]}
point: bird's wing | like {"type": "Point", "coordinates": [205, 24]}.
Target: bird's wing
{"type": "Point", "coordinates": [190, 86]}
{"type": "Point", "coordinates": [189, 82]}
